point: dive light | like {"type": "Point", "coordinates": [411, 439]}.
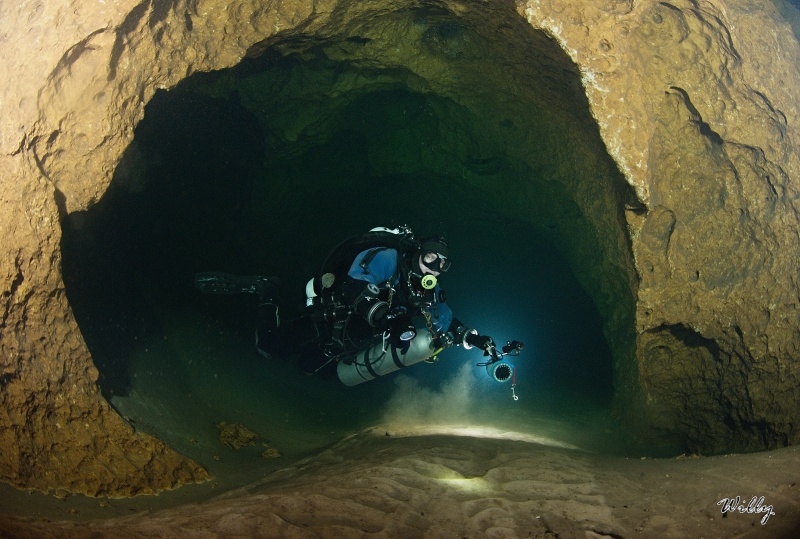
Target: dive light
{"type": "Point", "coordinates": [501, 370]}
{"type": "Point", "coordinates": [498, 368]}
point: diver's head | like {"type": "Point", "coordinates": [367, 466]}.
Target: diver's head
{"type": "Point", "coordinates": [432, 257]}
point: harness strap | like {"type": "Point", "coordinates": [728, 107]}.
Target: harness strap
{"type": "Point", "coordinates": [396, 359]}
{"type": "Point", "coordinates": [368, 364]}
{"type": "Point", "coordinates": [369, 257]}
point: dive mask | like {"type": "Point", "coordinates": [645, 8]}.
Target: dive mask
{"type": "Point", "coordinates": [435, 254]}
{"type": "Point", "coordinates": [435, 261]}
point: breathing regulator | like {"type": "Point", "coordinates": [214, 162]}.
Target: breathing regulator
{"type": "Point", "coordinates": [428, 282]}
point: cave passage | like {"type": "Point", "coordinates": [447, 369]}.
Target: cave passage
{"type": "Point", "coordinates": [263, 168]}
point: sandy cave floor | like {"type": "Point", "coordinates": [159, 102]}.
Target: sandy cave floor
{"type": "Point", "coordinates": [544, 468]}
{"type": "Point", "coordinates": [390, 481]}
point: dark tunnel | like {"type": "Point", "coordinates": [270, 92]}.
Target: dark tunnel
{"type": "Point", "coordinates": [265, 167]}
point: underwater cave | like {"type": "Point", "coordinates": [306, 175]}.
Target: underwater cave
{"type": "Point", "coordinates": [469, 120]}
{"type": "Point", "coordinates": [263, 168]}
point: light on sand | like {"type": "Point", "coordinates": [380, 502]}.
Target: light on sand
{"type": "Point", "coordinates": [472, 431]}
{"type": "Point", "coordinates": [475, 485]}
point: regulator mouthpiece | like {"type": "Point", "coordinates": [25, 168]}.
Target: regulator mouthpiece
{"type": "Point", "coordinates": [501, 371]}
{"type": "Point", "coordinates": [428, 282]}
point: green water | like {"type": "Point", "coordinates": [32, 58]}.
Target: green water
{"type": "Point", "coordinates": [175, 363]}
{"type": "Point", "coordinates": [267, 179]}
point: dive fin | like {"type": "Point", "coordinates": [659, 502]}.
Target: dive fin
{"type": "Point", "coordinates": [216, 282]}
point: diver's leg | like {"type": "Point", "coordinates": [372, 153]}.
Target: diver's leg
{"type": "Point", "coordinates": [269, 341]}
{"type": "Point", "coordinates": [267, 327]}
{"type": "Point", "coordinates": [217, 282]}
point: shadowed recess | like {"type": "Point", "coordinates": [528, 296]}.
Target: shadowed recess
{"type": "Point", "coordinates": [263, 168]}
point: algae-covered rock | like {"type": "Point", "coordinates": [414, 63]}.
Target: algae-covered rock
{"type": "Point", "coordinates": [270, 452]}
{"type": "Point", "coordinates": [236, 435]}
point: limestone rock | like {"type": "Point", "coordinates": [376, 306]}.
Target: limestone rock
{"type": "Point", "coordinates": [236, 435]}
{"type": "Point", "coordinates": [270, 453]}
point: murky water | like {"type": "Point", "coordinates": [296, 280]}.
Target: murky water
{"type": "Point", "coordinates": [176, 363]}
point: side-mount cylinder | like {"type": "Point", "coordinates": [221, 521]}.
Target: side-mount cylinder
{"type": "Point", "coordinates": [375, 361]}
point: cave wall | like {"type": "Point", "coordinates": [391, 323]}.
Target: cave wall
{"type": "Point", "coordinates": [691, 101]}
{"type": "Point", "coordinates": [75, 84]}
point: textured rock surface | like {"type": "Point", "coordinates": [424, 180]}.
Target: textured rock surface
{"type": "Point", "coordinates": [691, 98]}
{"type": "Point", "coordinates": [702, 120]}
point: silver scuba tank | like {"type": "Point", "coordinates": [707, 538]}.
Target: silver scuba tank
{"type": "Point", "coordinates": [377, 361]}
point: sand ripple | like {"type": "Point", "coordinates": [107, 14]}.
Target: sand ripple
{"type": "Point", "coordinates": [378, 485]}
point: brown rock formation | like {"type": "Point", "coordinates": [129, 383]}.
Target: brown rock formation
{"type": "Point", "coordinates": [692, 102]}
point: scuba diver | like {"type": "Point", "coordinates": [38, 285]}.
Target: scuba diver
{"type": "Point", "coordinates": [359, 317]}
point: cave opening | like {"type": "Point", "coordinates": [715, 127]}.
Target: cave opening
{"type": "Point", "coordinates": [471, 126]}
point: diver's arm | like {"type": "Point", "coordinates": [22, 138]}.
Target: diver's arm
{"type": "Point", "coordinates": [468, 337]}
{"type": "Point", "coordinates": [446, 322]}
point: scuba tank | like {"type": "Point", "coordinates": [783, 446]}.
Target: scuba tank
{"type": "Point", "coordinates": [325, 304]}
{"type": "Point", "coordinates": [384, 358]}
